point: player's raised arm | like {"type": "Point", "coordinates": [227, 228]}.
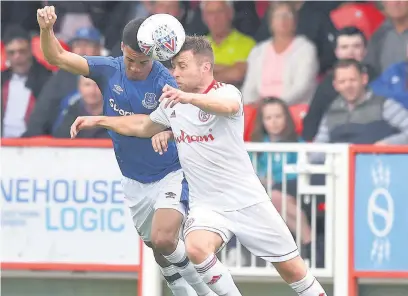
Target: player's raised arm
{"type": "Point", "coordinates": [54, 53]}
{"type": "Point", "coordinates": [133, 125]}
{"type": "Point", "coordinates": [225, 102]}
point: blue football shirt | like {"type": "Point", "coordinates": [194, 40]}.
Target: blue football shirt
{"type": "Point", "coordinates": [136, 158]}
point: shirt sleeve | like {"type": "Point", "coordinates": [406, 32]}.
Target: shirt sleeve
{"type": "Point", "coordinates": [101, 68]}
{"type": "Point", "coordinates": [230, 92]}
{"type": "Point", "coordinates": [159, 116]}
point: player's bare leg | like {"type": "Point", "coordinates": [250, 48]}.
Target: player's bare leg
{"type": "Point", "coordinates": [165, 239]}
{"type": "Point", "coordinates": [299, 278]}
{"type": "Point", "coordinates": [201, 247]}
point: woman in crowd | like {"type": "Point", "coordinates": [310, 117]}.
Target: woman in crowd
{"type": "Point", "coordinates": [283, 66]}
{"type": "Point", "coordinates": [275, 125]}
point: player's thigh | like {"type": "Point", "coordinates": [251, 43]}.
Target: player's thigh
{"type": "Point", "coordinates": [206, 232]}
{"type": "Point", "coordinates": [171, 203]}
{"type": "Point", "coordinates": [141, 205]}
{"type": "Point", "coordinates": [261, 229]}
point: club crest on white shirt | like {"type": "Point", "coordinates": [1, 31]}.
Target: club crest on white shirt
{"type": "Point", "coordinates": [203, 116]}
{"type": "Point", "coordinates": [149, 101]}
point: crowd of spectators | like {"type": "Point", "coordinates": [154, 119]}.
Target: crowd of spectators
{"type": "Point", "coordinates": [309, 71]}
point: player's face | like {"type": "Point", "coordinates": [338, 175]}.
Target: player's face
{"type": "Point", "coordinates": [138, 65]}
{"type": "Point", "coordinates": [273, 119]}
{"type": "Point", "coordinates": [187, 71]}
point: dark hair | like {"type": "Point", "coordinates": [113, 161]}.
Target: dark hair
{"type": "Point", "coordinates": [351, 31]}
{"type": "Point", "coordinates": [345, 63]}
{"type": "Point", "coordinates": [14, 32]}
{"type": "Point", "coordinates": [199, 45]}
{"type": "Point", "coordinates": [288, 134]}
{"type": "Point", "coordinates": [129, 36]}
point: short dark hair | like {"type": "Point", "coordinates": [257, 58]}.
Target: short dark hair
{"type": "Point", "coordinates": [199, 45]}
{"type": "Point", "coordinates": [129, 36]}
{"type": "Point", "coordinates": [351, 31]}
{"type": "Point", "coordinates": [345, 63]}
{"type": "Point", "coordinates": [14, 32]}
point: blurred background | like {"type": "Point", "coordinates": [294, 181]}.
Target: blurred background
{"type": "Point", "coordinates": [311, 73]}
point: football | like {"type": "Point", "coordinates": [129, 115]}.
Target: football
{"type": "Point", "coordinates": [161, 37]}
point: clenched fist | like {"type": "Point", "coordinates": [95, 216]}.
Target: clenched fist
{"type": "Point", "coordinates": [46, 17]}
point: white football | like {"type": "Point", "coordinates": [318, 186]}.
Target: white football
{"type": "Point", "coordinates": [161, 36]}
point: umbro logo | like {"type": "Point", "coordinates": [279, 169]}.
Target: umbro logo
{"type": "Point", "coordinates": [170, 195]}
{"type": "Point", "coordinates": [173, 114]}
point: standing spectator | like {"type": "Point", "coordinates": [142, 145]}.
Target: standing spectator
{"type": "Point", "coordinates": [388, 44]}
{"type": "Point", "coordinates": [350, 44]}
{"type": "Point", "coordinates": [21, 83]}
{"type": "Point", "coordinates": [62, 85]}
{"type": "Point", "coordinates": [313, 24]}
{"type": "Point", "coordinates": [357, 115]}
{"type": "Point", "coordinates": [90, 103]}
{"type": "Point", "coordinates": [284, 66]}
{"type": "Point", "coordinates": [231, 48]}
{"type": "Point", "coordinates": [275, 125]}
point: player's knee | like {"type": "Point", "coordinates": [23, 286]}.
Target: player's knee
{"type": "Point", "coordinates": [292, 270]}
{"type": "Point", "coordinates": [159, 258]}
{"type": "Point", "coordinates": [198, 248]}
{"type": "Point", "coordinates": [165, 241]}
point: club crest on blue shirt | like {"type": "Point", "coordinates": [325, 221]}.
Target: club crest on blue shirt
{"type": "Point", "coordinates": [149, 101]}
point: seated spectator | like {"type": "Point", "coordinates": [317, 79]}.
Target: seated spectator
{"type": "Point", "coordinates": [275, 125]}
{"type": "Point", "coordinates": [89, 103]}
{"type": "Point", "coordinates": [350, 44]}
{"type": "Point", "coordinates": [21, 83]}
{"type": "Point", "coordinates": [231, 48]}
{"type": "Point", "coordinates": [357, 115]}
{"type": "Point", "coordinates": [313, 24]}
{"type": "Point", "coordinates": [388, 44]}
{"type": "Point", "coordinates": [284, 66]}
{"type": "Point", "coordinates": [62, 85]}
{"type": "Point", "coordinates": [393, 83]}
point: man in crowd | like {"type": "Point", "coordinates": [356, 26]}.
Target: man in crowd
{"type": "Point", "coordinates": [350, 44]}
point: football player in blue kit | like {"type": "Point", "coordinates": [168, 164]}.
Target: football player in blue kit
{"type": "Point", "coordinates": [154, 185]}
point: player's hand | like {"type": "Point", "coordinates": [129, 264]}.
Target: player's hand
{"type": "Point", "coordinates": [83, 122]}
{"type": "Point", "coordinates": [46, 17]}
{"type": "Point", "coordinates": [173, 96]}
{"type": "Point", "coordinates": [160, 141]}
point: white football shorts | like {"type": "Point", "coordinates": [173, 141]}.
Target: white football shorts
{"type": "Point", "coordinates": [143, 200]}
{"type": "Point", "coordinates": [259, 228]}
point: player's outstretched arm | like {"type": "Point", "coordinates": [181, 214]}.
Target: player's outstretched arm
{"type": "Point", "coordinates": [224, 102]}
{"type": "Point", "coordinates": [53, 52]}
{"type": "Point", "coordinates": [134, 125]}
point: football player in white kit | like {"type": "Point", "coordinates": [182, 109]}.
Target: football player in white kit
{"type": "Point", "coordinates": [226, 196]}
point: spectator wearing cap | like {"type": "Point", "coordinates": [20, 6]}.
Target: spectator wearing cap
{"type": "Point", "coordinates": [388, 44]}
{"type": "Point", "coordinates": [231, 47]}
{"type": "Point", "coordinates": [21, 83]}
{"type": "Point", "coordinates": [359, 116]}
{"type": "Point", "coordinates": [350, 44]}
{"type": "Point", "coordinates": [62, 85]}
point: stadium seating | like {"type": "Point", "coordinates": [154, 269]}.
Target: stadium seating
{"type": "Point", "coordinates": [38, 54]}
{"type": "Point", "coordinates": [298, 112]}
{"type": "Point", "coordinates": [364, 16]}
{"type": "Point", "coordinates": [3, 57]}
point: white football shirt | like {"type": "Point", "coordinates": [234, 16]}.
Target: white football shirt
{"type": "Point", "coordinates": [212, 153]}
